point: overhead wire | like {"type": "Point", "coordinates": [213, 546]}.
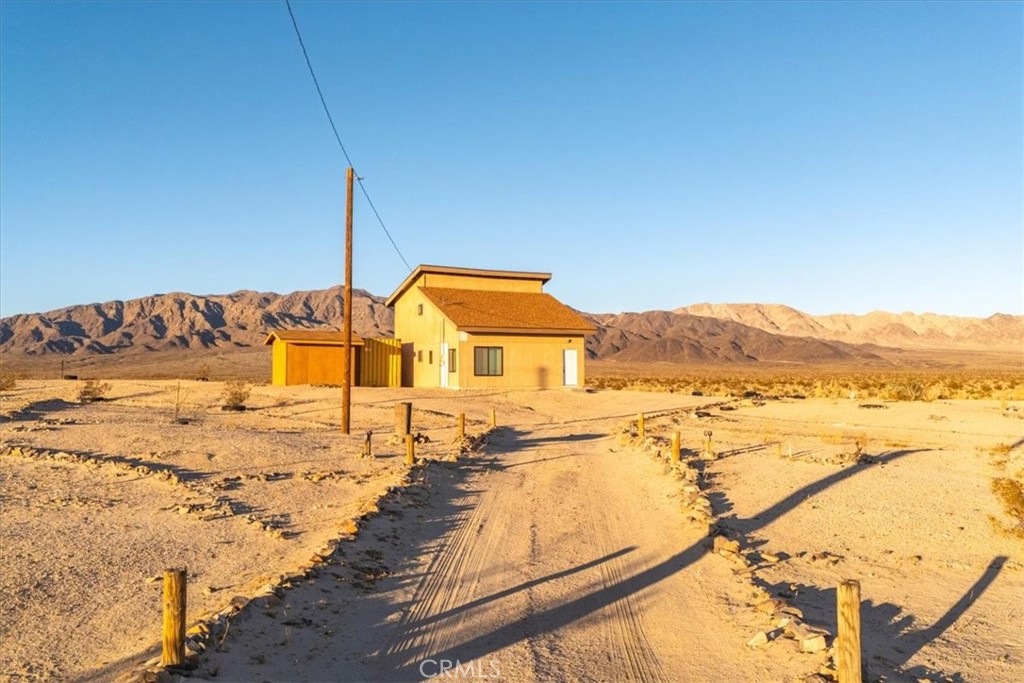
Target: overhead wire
{"type": "Point", "coordinates": [337, 136]}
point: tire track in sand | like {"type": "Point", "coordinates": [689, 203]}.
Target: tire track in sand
{"type": "Point", "coordinates": [450, 581]}
{"type": "Point", "coordinates": [624, 627]}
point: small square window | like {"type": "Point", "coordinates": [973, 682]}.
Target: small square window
{"type": "Point", "coordinates": [419, 309]}
{"type": "Point", "coordinates": [488, 361]}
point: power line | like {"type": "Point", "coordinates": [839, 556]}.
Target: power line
{"type": "Point", "coordinates": [337, 137]}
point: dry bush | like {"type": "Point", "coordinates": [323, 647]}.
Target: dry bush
{"type": "Point", "coordinates": [7, 381]}
{"type": "Point", "coordinates": [92, 390]}
{"type": "Point", "coordinates": [203, 373]}
{"type": "Point", "coordinates": [822, 381]}
{"type": "Point", "coordinates": [909, 390]}
{"type": "Point", "coordinates": [1011, 495]}
{"type": "Point", "coordinates": [236, 393]}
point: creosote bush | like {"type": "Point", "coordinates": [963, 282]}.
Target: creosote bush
{"type": "Point", "coordinates": [203, 373]}
{"type": "Point", "coordinates": [92, 390]}
{"type": "Point", "coordinates": [820, 382]}
{"type": "Point", "coordinates": [1011, 494]}
{"type": "Point", "coordinates": [236, 393]}
{"type": "Point", "coordinates": [7, 381]}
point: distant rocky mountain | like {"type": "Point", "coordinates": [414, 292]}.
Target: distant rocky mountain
{"type": "Point", "coordinates": [899, 330]}
{"type": "Point", "coordinates": [703, 333]}
{"type": "Point", "coordinates": [656, 336]}
{"type": "Point", "coordinates": [186, 321]}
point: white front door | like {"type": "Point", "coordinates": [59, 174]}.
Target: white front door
{"type": "Point", "coordinates": [570, 371]}
{"type": "Point", "coordinates": [444, 365]}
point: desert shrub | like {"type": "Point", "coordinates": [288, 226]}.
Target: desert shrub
{"type": "Point", "coordinates": [909, 390]}
{"type": "Point", "coordinates": [1002, 449]}
{"type": "Point", "coordinates": [203, 372]}
{"type": "Point", "coordinates": [236, 393]}
{"type": "Point", "coordinates": [1011, 495]}
{"type": "Point", "coordinates": [92, 390]}
{"type": "Point", "coordinates": [7, 381]}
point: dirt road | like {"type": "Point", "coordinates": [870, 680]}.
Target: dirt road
{"type": "Point", "coordinates": [553, 556]}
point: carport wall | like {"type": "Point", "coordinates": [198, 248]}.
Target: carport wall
{"type": "Point", "coordinates": [309, 361]}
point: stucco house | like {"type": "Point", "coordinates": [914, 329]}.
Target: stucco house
{"type": "Point", "coordinates": [468, 328]}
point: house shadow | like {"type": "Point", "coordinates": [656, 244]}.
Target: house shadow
{"type": "Point", "coordinates": [890, 637]}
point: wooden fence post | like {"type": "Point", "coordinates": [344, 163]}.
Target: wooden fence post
{"type": "Point", "coordinates": [640, 426]}
{"type": "Point", "coordinates": [494, 419]}
{"type": "Point", "coordinates": [675, 446]}
{"type": "Point", "coordinates": [462, 425]}
{"type": "Point", "coordinates": [368, 448]}
{"type": "Point", "coordinates": [848, 616]}
{"type": "Point", "coordinates": [403, 418]}
{"type": "Point", "coordinates": [410, 450]}
{"type": "Point", "coordinates": [707, 443]}
{"type": "Point", "coordinates": [175, 608]}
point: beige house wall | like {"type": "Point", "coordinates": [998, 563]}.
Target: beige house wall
{"type": "Point", "coordinates": [528, 360]}
{"type": "Point", "coordinates": [478, 282]}
{"type": "Point", "coordinates": [421, 334]}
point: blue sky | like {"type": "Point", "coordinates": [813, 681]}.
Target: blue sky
{"type": "Point", "coordinates": [835, 157]}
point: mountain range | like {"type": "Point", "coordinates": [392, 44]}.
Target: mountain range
{"type": "Point", "coordinates": [701, 333]}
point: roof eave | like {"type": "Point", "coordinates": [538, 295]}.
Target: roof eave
{"type": "Point", "coordinates": [567, 331]}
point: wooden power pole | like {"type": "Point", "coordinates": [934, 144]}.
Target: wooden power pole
{"type": "Point", "coordinates": [346, 366]}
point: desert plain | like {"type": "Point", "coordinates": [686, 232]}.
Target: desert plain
{"type": "Point", "coordinates": [560, 544]}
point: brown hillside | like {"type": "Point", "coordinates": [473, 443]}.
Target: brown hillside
{"type": "Point", "coordinates": [678, 337]}
{"type": "Point", "coordinates": [185, 321]}
{"type": "Point", "coordinates": [732, 334]}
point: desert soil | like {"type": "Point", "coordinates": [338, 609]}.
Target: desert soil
{"type": "Point", "coordinates": [558, 551]}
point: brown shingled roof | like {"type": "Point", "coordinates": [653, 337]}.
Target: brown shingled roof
{"type": "Point", "coordinates": [329, 337]}
{"type": "Point", "coordinates": [483, 310]}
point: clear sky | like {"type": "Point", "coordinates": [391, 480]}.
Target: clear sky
{"type": "Point", "coordinates": [835, 157]}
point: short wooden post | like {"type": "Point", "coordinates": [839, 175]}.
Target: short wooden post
{"type": "Point", "coordinates": [410, 450]}
{"type": "Point", "coordinates": [675, 446]}
{"type": "Point", "coordinates": [640, 426]}
{"type": "Point", "coordinates": [368, 447]}
{"type": "Point", "coordinates": [403, 418]}
{"type": "Point", "coordinates": [462, 425]}
{"type": "Point", "coordinates": [175, 607]}
{"type": "Point", "coordinates": [494, 419]}
{"type": "Point", "coordinates": [707, 443]}
{"type": "Point", "coordinates": [848, 615]}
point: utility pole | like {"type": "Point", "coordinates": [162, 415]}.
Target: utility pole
{"type": "Point", "coordinates": [346, 366]}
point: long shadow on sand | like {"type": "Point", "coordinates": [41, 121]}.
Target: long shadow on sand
{"type": "Point", "coordinates": [533, 625]}
{"type": "Point", "coordinates": [890, 636]}
{"type": "Point", "coordinates": [412, 524]}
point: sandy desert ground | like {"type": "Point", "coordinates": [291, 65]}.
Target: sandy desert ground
{"type": "Point", "coordinates": [564, 547]}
